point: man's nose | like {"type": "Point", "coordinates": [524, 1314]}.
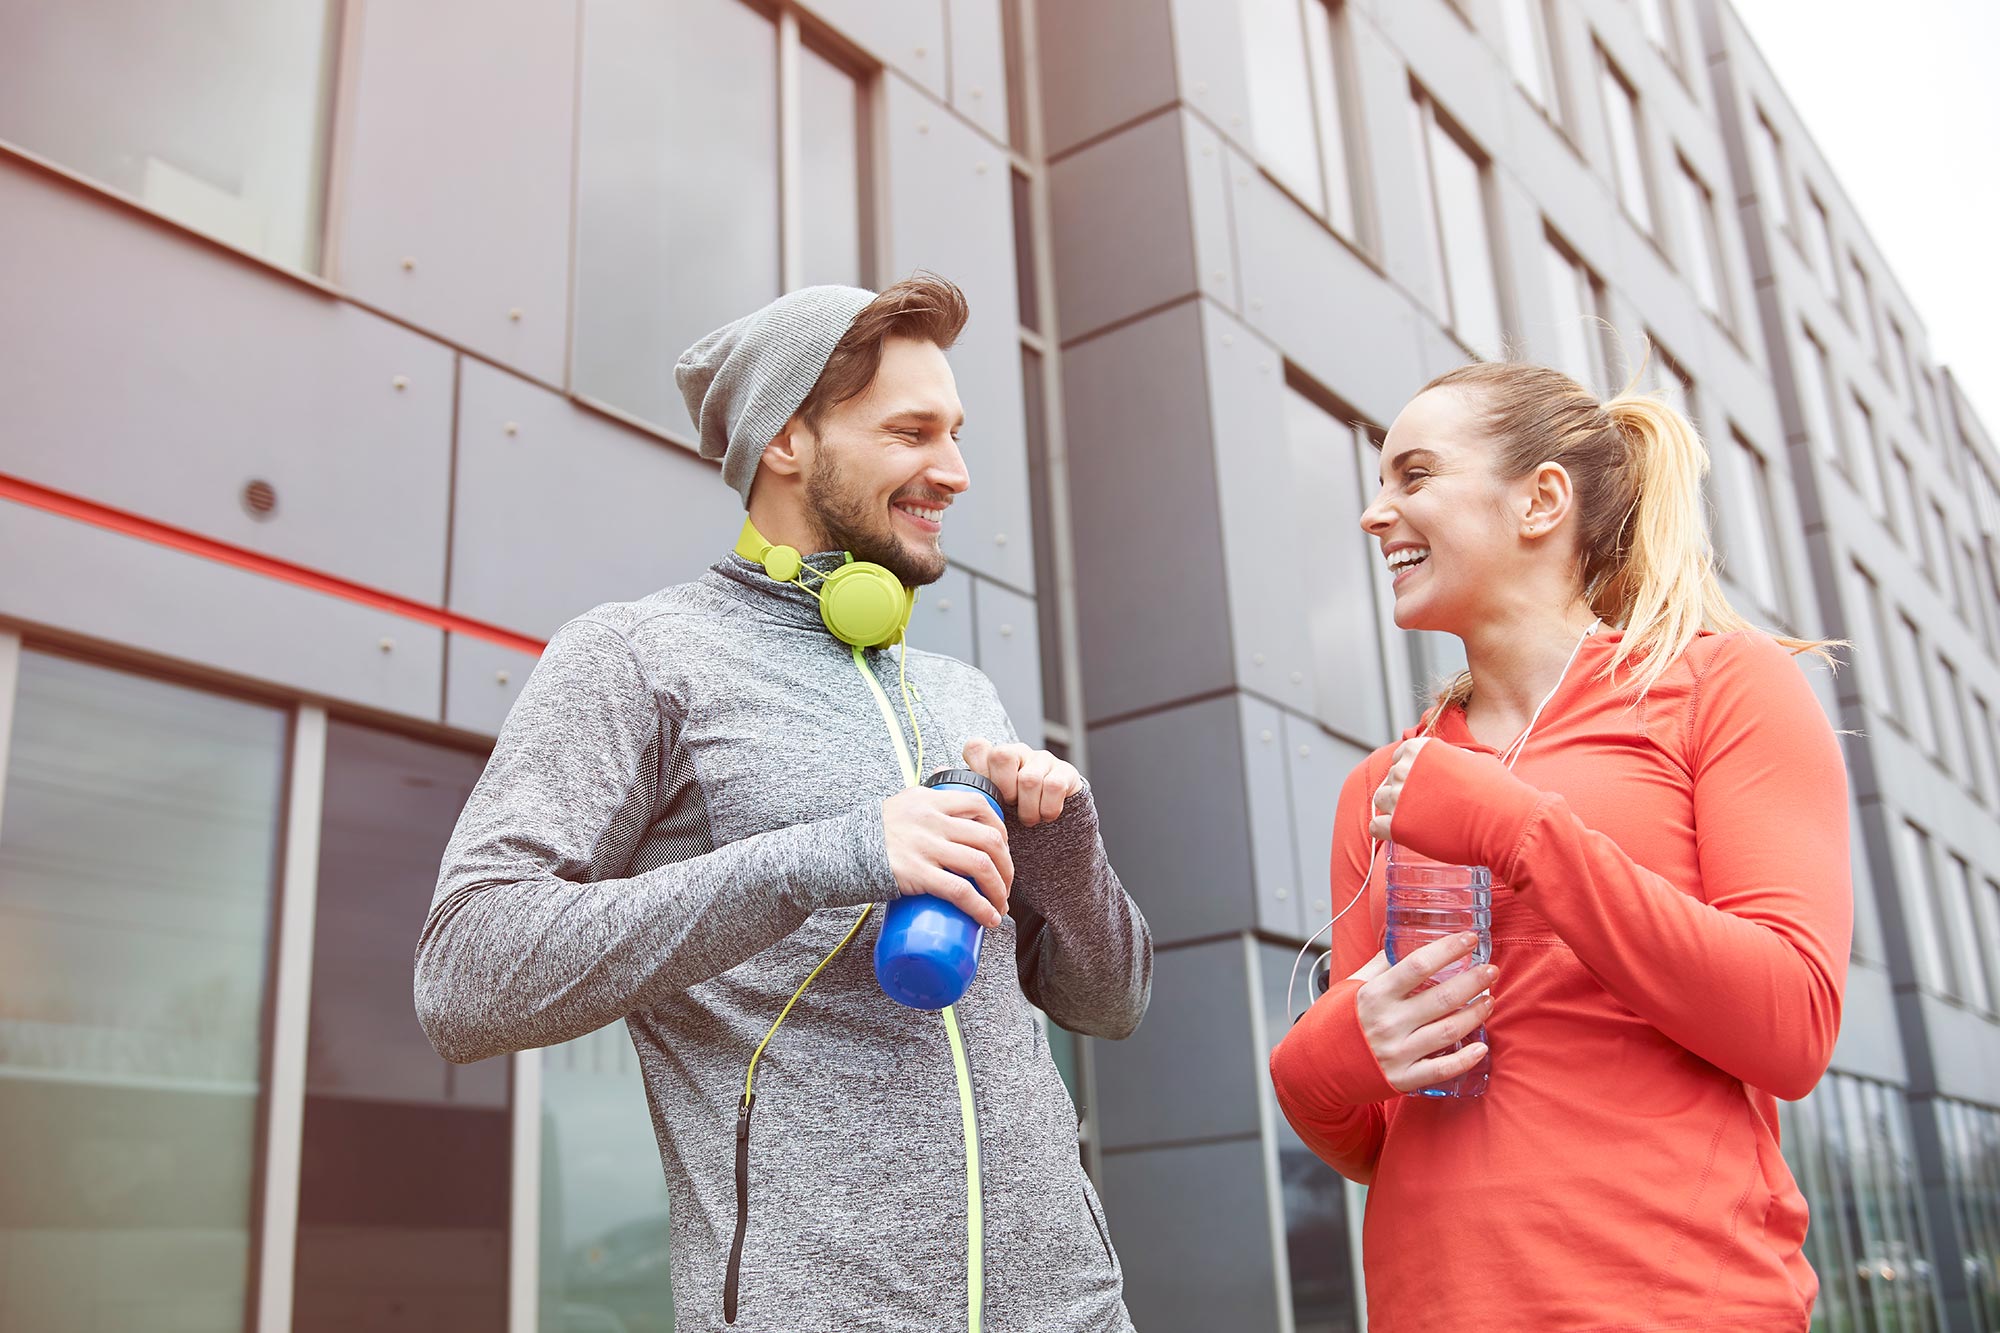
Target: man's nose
{"type": "Point", "coordinates": [947, 471]}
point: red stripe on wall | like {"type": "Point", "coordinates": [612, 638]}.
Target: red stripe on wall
{"type": "Point", "coordinates": [193, 543]}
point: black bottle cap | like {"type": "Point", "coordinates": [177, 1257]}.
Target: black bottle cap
{"type": "Point", "coordinates": [965, 777]}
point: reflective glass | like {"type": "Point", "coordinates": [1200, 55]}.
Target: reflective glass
{"type": "Point", "coordinates": [1861, 446]}
{"type": "Point", "coordinates": [212, 114]}
{"type": "Point", "coordinates": [1751, 556]}
{"type": "Point", "coordinates": [1699, 241]}
{"type": "Point", "coordinates": [1975, 987]}
{"type": "Point", "coordinates": [138, 868]}
{"type": "Point", "coordinates": [1621, 115]}
{"type": "Point", "coordinates": [605, 1246]}
{"type": "Point", "coordinates": [1819, 237]}
{"type": "Point", "coordinates": [404, 1164]}
{"type": "Point", "coordinates": [1332, 108]}
{"type": "Point", "coordinates": [1576, 336]}
{"type": "Point", "coordinates": [1458, 182]}
{"type": "Point", "coordinates": [1920, 901]}
{"type": "Point", "coordinates": [1816, 396]}
{"type": "Point", "coordinates": [675, 99]}
{"type": "Point", "coordinates": [1281, 104]}
{"type": "Point", "coordinates": [1770, 155]}
{"type": "Point", "coordinates": [1526, 29]}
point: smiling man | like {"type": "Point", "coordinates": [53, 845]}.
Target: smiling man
{"type": "Point", "coordinates": [694, 814]}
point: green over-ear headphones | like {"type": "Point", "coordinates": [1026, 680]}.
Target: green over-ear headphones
{"type": "Point", "coordinates": [863, 604]}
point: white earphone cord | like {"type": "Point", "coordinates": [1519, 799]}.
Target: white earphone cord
{"type": "Point", "coordinates": [1513, 752]}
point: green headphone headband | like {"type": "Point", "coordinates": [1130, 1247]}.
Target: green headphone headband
{"type": "Point", "coordinates": [862, 603]}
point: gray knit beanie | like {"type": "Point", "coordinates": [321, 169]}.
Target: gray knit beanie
{"type": "Point", "coordinates": [744, 381]}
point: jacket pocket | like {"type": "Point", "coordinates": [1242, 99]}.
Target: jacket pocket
{"type": "Point", "coordinates": [1097, 1220]}
{"type": "Point", "coordinates": [734, 1272]}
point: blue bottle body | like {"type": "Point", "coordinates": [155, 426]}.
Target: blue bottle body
{"type": "Point", "coordinates": [1429, 900]}
{"type": "Point", "coordinates": [928, 951]}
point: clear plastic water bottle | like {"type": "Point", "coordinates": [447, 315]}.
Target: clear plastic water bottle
{"type": "Point", "coordinates": [928, 951]}
{"type": "Point", "coordinates": [1429, 900]}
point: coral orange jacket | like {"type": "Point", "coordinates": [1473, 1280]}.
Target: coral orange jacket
{"type": "Point", "coordinates": [1671, 920]}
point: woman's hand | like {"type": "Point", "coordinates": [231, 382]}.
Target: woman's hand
{"type": "Point", "coordinates": [1406, 1019]}
{"type": "Point", "coordinates": [1391, 789]}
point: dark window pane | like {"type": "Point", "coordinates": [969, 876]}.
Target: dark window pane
{"type": "Point", "coordinates": [137, 869]}
{"type": "Point", "coordinates": [403, 1193]}
{"type": "Point", "coordinates": [1055, 703]}
{"type": "Point", "coordinates": [1024, 256]}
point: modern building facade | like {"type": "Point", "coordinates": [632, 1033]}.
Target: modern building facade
{"type": "Point", "coordinates": [335, 373]}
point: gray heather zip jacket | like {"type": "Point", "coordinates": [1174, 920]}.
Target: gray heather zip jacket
{"type": "Point", "coordinates": [681, 818]}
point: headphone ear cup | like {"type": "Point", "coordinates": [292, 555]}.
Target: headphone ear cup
{"type": "Point", "coordinates": [864, 605]}
{"type": "Point", "coordinates": [782, 563]}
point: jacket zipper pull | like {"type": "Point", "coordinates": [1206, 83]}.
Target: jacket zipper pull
{"type": "Point", "coordinates": [735, 1269]}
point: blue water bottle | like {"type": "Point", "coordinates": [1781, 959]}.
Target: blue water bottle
{"type": "Point", "coordinates": [1429, 900]}
{"type": "Point", "coordinates": [928, 951]}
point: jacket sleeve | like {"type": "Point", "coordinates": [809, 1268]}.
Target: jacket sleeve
{"type": "Point", "coordinates": [1328, 1082]}
{"type": "Point", "coordinates": [1745, 969]}
{"type": "Point", "coordinates": [1084, 952]}
{"type": "Point", "coordinates": [537, 934]}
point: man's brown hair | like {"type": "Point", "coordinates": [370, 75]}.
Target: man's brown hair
{"type": "Point", "coordinates": [924, 306]}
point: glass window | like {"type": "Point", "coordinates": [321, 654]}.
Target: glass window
{"type": "Point", "coordinates": [1911, 1276]}
{"type": "Point", "coordinates": [675, 98]}
{"type": "Point", "coordinates": [1462, 229]}
{"type": "Point", "coordinates": [214, 115]}
{"type": "Point", "coordinates": [1863, 308]}
{"type": "Point", "coordinates": [605, 1247]}
{"type": "Point", "coordinates": [1750, 552]}
{"type": "Point", "coordinates": [1055, 694]}
{"type": "Point", "coordinates": [830, 160]}
{"type": "Point", "coordinates": [1027, 292]}
{"type": "Point", "coordinates": [1666, 377]}
{"type": "Point", "coordinates": [1901, 365]}
{"type": "Point", "coordinates": [1986, 779]}
{"type": "Point", "coordinates": [1862, 453]}
{"type": "Point", "coordinates": [1904, 516]}
{"type": "Point", "coordinates": [1816, 396]}
{"type": "Point", "coordinates": [1936, 538]}
{"type": "Point", "coordinates": [1663, 28]}
{"type": "Point", "coordinates": [1576, 298]}
{"type": "Point", "coordinates": [1621, 114]}
{"type": "Point", "coordinates": [1986, 922]}
{"type": "Point", "coordinates": [1975, 984]}
{"type": "Point", "coordinates": [1769, 150]}
{"type": "Point", "coordinates": [137, 876]}
{"type": "Point", "coordinates": [1017, 66]}
{"type": "Point", "coordinates": [1877, 680]}
{"type": "Point", "coordinates": [1933, 964]}
{"type": "Point", "coordinates": [404, 1166]}
{"type": "Point", "coordinates": [1281, 100]}
{"type": "Point", "coordinates": [1313, 1196]}
{"type": "Point", "coordinates": [1955, 750]}
{"type": "Point", "coordinates": [1702, 243]}
{"type": "Point", "coordinates": [1529, 51]}
{"type": "Point", "coordinates": [1913, 684]}
{"type": "Point", "coordinates": [1335, 110]}
{"type": "Point", "coordinates": [1819, 236]}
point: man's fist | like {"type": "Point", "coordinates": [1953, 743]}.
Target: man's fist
{"type": "Point", "coordinates": [938, 840]}
{"type": "Point", "coordinates": [1034, 782]}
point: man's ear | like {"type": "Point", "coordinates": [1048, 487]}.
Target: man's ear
{"type": "Point", "coordinates": [787, 453]}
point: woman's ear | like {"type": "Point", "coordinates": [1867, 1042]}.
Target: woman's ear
{"type": "Point", "coordinates": [787, 452]}
{"type": "Point", "coordinates": [1550, 499]}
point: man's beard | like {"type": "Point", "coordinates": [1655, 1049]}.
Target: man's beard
{"type": "Point", "coordinates": [852, 524]}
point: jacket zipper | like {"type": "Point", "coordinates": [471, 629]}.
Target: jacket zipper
{"type": "Point", "coordinates": [729, 1280]}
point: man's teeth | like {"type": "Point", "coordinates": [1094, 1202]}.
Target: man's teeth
{"type": "Point", "coordinates": [1408, 558]}
{"type": "Point", "coordinates": [934, 515]}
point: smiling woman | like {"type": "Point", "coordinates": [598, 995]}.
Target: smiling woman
{"type": "Point", "coordinates": [1667, 838]}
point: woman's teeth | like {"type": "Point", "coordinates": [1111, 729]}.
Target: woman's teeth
{"type": "Point", "coordinates": [1408, 558]}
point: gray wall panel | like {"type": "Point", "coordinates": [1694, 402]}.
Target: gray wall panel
{"type": "Point", "coordinates": [1194, 1233]}
{"type": "Point", "coordinates": [1119, 221]}
{"type": "Point", "coordinates": [1010, 654]}
{"type": "Point", "coordinates": [571, 509]}
{"type": "Point", "coordinates": [481, 682]}
{"type": "Point", "coordinates": [153, 372]}
{"type": "Point", "coordinates": [1151, 606]}
{"type": "Point", "coordinates": [942, 622]}
{"type": "Point", "coordinates": [1963, 1040]}
{"type": "Point", "coordinates": [1266, 795]}
{"type": "Point", "coordinates": [1102, 64]}
{"type": "Point", "coordinates": [1208, 206]}
{"type": "Point", "coordinates": [1268, 510]}
{"type": "Point", "coordinates": [1319, 764]}
{"type": "Point", "coordinates": [1331, 313]}
{"type": "Point", "coordinates": [88, 581]}
{"type": "Point", "coordinates": [979, 64]}
{"type": "Point", "coordinates": [951, 211]}
{"type": "Point", "coordinates": [1213, 65]}
{"type": "Point", "coordinates": [905, 35]}
{"type": "Point", "coordinates": [1870, 1043]}
{"type": "Point", "coordinates": [1199, 1020]}
{"type": "Point", "coordinates": [459, 159]}
{"type": "Point", "coordinates": [1170, 796]}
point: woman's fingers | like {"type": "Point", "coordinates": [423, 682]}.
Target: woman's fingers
{"type": "Point", "coordinates": [1440, 1068]}
{"type": "Point", "coordinates": [1418, 967]}
{"type": "Point", "coordinates": [1448, 1031]}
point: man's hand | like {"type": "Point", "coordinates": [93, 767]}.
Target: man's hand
{"type": "Point", "coordinates": [939, 839]}
{"type": "Point", "coordinates": [1391, 789]}
{"type": "Point", "coordinates": [1034, 782]}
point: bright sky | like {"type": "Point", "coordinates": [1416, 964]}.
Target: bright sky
{"type": "Point", "coordinates": [1903, 104]}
